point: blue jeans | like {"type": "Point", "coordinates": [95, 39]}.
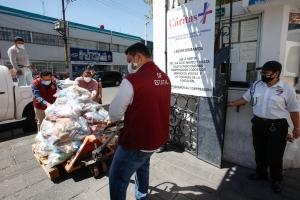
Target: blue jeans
{"type": "Point", "coordinates": [124, 165]}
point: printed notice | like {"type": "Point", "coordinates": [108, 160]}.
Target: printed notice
{"type": "Point", "coordinates": [249, 30]}
{"type": "Point", "coordinates": [248, 52]}
{"type": "Point", "coordinates": [234, 33]}
{"type": "Point", "coordinates": [235, 53]}
{"type": "Point", "coordinates": [238, 72]}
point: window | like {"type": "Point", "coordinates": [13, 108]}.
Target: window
{"type": "Point", "coordinates": [114, 47]}
{"type": "Point", "coordinates": [122, 48]}
{"type": "Point", "coordinates": [83, 44]}
{"type": "Point", "coordinates": [45, 39]}
{"type": "Point", "coordinates": [8, 34]}
{"type": "Point", "coordinates": [103, 46]}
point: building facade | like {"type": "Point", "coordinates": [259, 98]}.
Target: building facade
{"type": "Point", "coordinates": [102, 48]}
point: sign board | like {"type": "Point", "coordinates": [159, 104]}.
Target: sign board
{"type": "Point", "coordinates": [190, 47]}
{"type": "Point", "coordinates": [220, 12]}
{"type": "Point", "coordinates": [253, 2]}
{"type": "Point", "coordinates": [86, 56]}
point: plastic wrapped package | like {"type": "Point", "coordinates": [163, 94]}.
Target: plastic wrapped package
{"type": "Point", "coordinates": [48, 128]}
{"type": "Point", "coordinates": [90, 107]}
{"type": "Point", "coordinates": [99, 127]}
{"type": "Point", "coordinates": [72, 109]}
{"type": "Point", "coordinates": [103, 112]}
{"type": "Point", "coordinates": [53, 139]}
{"type": "Point", "coordinates": [73, 92]}
{"type": "Point", "coordinates": [67, 147]}
{"type": "Point", "coordinates": [63, 125]}
{"type": "Point", "coordinates": [93, 117]}
{"type": "Point", "coordinates": [61, 101]}
{"type": "Point", "coordinates": [39, 138]}
{"type": "Point", "coordinates": [55, 158]}
{"type": "Point", "coordinates": [43, 149]}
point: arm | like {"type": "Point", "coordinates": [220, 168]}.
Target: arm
{"type": "Point", "coordinates": [37, 95]}
{"type": "Point", "coordinates": [239, 102]}
{"type": "Point", "coordinates": [295, 120]}
{"type": "Point", "coordinates": [94, 89]}
{"type": "Point", "coordinates": [59, 85]}
{"type": "Point", "coordinates": [76, 82]}
{"type": "Point", "coordinates": [100, 89]}
{"type": "Point", "coordinates": [121, 101]}
{"type": "Point", "coordinates": [12, 54]}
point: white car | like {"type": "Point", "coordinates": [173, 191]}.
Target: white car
{"type": "Point", "coordinates": [16, 102]}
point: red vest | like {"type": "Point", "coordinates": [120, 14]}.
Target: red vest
{"type": "Point", "coordinates": [46, 92]}
{"type": "Point", "coordinates": [146, 120]}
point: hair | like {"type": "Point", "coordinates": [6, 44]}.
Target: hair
{"type": "Point", "coordinates": [18, 39]}
{"type": "Point", "coordinates": [86, 71]}
{"type": "Point", "coordinates": [45, 73]}
{"type": "Point", "coordinates": [138, 48]}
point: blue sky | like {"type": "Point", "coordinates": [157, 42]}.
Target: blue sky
{"type": "Point", "coordinates": [126, 16]}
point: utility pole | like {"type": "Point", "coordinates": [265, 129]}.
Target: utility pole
{"type": "Point", "coordinates": [43, 4]}
{"type": "Point", "coordinates": [146, 33]}
{"type": "Point", "coordinates": [65, 35]}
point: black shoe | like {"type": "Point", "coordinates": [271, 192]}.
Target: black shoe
{"type": "Point", "coordinates": [161, 149]}
{"type": "Point", "coordinates": [277, 186]}
{"type": "Point", "coordinates": [257, 177]}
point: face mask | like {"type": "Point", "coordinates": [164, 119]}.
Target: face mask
{"type": "Point", "coordinates": [87, 79]}
{"type": "Point", "coordinates": [46, 82]}
{"type": "Point", "coordinates": [267, 79]}
{"type": "Point", "coordinates": [130, 70]}
{"type": "Point", "coordinates": [21, 46]}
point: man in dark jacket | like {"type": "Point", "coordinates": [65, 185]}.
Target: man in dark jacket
{"type": "Point", "coordinates": [144, 97]}
{"type": "Point", "coordinates": [43, 88]}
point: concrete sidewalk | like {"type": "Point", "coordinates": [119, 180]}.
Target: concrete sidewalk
{"type": "Point", "coordinates": [174, 175]}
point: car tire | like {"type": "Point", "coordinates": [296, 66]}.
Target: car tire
{"type": "Point", "coordinates": [31, 124]}
{"type": "Point", "coordinates": [117, 83]}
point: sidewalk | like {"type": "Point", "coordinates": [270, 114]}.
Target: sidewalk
{"type": "Point", "coordinates": [174, 175]}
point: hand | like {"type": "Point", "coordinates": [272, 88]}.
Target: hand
{"type": "Point", "coordinates": [296, 133]}
{"type": "Point", "coordinates": [48, 104]}
{"type": "Point", "coordinates": [20, 72]}
{"type": "Point", "coordinates": [230, 104]}
{"type": "Point", "coordinates": [95, 98]}
{"type": "Point", "coordinates": [116, 123]}
{"type": "Point", "coordinates": [32, 68]}
{"type": "Point", "coordinates": [100, 96]}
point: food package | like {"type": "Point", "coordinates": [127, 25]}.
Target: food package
{"type": "Point", "coordinates": [67, 147]}
{"type": "Point", "coordinates": [90, 107]}
{"type": "Point", "coordinates": [99, 127]}
{"type": "Point", "coordinates": [103, 112]}
{"type": "Point", "coordinates": [74, 92]}
{"type": "Point", "coordinates": [43, 149]}
{"type": "Point", "coordinates": [48, 128]}
{"type": "Point", "coordinates": [70, 110]}
{"type": "Point", "coordinates": [55, 158]}
{"type": "Point", "coordinates": [93, 117]}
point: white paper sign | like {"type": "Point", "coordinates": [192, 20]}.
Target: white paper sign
{"type": "Point", "coordinates": [234, 33]}
{"type": "Point", "coordinates": [248, 52]}
{"type": "Point", "coordinates": [190, 43]}
{"type": "Point", "coordinates": [235, 53]}
{"type": "Point", "coordinates": [238, 72]}
{"type": "Point", "coordinates": [249, 30]}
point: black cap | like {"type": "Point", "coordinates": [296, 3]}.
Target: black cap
{"type": "Point", "coordinates": [271, 65]}
{"type": "Point", "coordinates": [90, 67]}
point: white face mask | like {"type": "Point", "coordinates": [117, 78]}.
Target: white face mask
{"type": "Point", "coordinates": [87, 79]}
{"type": "Point", "coordinates": [20, 46]}
{"type": "Point", "coordinates": [130, 70]}
{"type": "Point", "coordinates": [46, 82]}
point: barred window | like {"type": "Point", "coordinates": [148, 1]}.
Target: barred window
{"type": "Point", "coordinates": [103, 46]}
{"type": "Point", "coordinates": [52, 40]}
{"type": "Point", "coordinates": [122, 48]}
{"type": "Point", "coordinates": [83, 44]}
{"type": "Point", "coordinates": [9, 34]}
{"type": "Point", "coordinates": [114, 47]}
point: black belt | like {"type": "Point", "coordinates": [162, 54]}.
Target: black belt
{"type": "Point", "coordinates": [21, 66]}
{"type": "Point", "coordinates": [268, 120]}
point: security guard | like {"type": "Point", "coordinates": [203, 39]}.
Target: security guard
{"type": "Point", "coordinates": [272, 101]}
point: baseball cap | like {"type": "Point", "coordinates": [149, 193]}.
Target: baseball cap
{"type": "Point", "coordinates": [271, 65]}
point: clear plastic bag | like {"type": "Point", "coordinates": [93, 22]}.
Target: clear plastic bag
{"type": "Point", "coordinates": [93, 117]}
{"type": "Point", "coordinates": [43, 149]}
{"type": "Point", "coordinates": [74, 92]}
{"type": "Point", "coordinates": [70, 110]}
{"type": "Point", "coordinates": [67, 147]}
{"type": "Point", "coordinates": [99, 127]}
{"type": "Point", "coordinates": [55, 158]}
{"type": "Point", "coordinates": [48, 128]}
{"type": "Point", "coordinates": [90, 107]}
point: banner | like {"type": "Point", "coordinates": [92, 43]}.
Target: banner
{"type": "Point", "coordinates": [86, 56]}
{"type": "Point", "coordinates": [190, 46]}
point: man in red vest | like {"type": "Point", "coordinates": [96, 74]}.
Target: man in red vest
{"type": "Point", "coordinates": [144, 101]}
{"type": "Point", "coordinates": [43, 88]}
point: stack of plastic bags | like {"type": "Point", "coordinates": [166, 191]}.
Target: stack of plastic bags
{"type": "Point", "coordinates": [68, 121]}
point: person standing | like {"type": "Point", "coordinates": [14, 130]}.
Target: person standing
{"type": "Point", "coordinates": [144, 97]}
{"type": "Point", "coordinates": [98, 79]}
{"type": "Point", "coordinates": [19, 60]}
{"type": "Point", "coordinates": [43, 88]}
{"type": "Point", "coordinates": [86, 82]}
{"type": "Point", "coordinates": [272, 101]}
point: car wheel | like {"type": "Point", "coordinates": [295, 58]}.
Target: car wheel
{"type": "Point", "coordinates": [117, 83]}
{"type": "Point", "coordinates": [31, 124]}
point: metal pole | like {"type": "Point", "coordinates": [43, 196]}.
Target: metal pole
{"type": "Point", "coordinates": [65, 36]}
{"type": "Point", "coordinates": [146, 33]}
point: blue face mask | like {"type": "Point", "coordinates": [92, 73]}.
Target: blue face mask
{"type": "Point", "coordinates": [46, 82]}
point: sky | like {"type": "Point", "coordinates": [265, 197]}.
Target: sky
{"type": "Point", "coordinates": [125, 16]}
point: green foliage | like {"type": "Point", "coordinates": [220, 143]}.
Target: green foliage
{"type": "Point", "coordinates": [149, 2]}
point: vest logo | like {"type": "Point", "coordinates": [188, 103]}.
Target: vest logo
{"type": "Point", "coordinates": [190, 19]}
{"type": "Point", "coordinates": [161, 82]}
{"type": "Point", "coordinates": [159, 75]}
{"type": "Point", "coordinates": [156, 82]}
{"type": "Point", "coordinates": [53, 87]}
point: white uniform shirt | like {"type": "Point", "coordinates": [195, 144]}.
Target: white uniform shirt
{"type": "Point", "coordinates": [18, 56]}
{"type": "Point", "coordinates": [273, 102]}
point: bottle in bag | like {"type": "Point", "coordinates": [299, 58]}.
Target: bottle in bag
{"type": "Point", "coordinates": [291, 150]}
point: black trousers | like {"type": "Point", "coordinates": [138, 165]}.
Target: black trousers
{"type": "Point", "coordinates": [269, 145]}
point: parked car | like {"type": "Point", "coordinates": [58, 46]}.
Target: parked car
{"type": "Point", "coordinates": [16, 102]}
{"type": "Point", "coordinates": [109, 77]}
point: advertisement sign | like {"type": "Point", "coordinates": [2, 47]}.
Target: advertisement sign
{"type": "Point", "coordinates": [86, 56]}
{"type": "Point", "coordinates": [253, 2]}
{"type": "Point", "coordinates": [190, 43]}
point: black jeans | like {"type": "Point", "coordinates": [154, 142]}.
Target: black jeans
{"type": "Point", "coordinates": [269, 146]}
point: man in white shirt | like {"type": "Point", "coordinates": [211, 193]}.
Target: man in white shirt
{"type": "Point", "coordinates": [272, 101]}
{"type": "Point", "coordinates": [19, 60]}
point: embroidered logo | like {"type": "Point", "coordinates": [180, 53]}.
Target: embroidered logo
{"type": "Point", "coordinates": [279, 91]}
{"type": "Point", "coordinates": [159, 75]}
{"type": "Point", "coordinates": [53, 87]}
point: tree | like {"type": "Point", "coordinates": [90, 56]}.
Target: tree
{"type": "Point", "coordinates": [149, 2]}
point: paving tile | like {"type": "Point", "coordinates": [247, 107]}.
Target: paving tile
{"type": "Point", "coordinates": [25, 142]}
{"type": "Point", "coordinates": [100, 184]}
{"type": "Point", "coordinates": [159, 156]}
{"type": "Point", "coordinates": [290, 193]}
{"type": "Point", "coordinates": [103, 193]}
{"type": "Point", "coordinates": [153, 197]}
{"type": "Point", "coordinates": [232, 195]}
{"type": "Point", "coordinates": [34, 190]}
{"type": "Point", "coordinates": [162, 165]}
{"type": "Point", "coordinates": [192, 160]}
{"type": "Point", "coordinates": [20, 158]}
{"type": "Point", "coordinates": [291, 182]}
{"type": "Point", "coordinates": [17, 170]}
{"type": "Point", "coordinates": [7, 162]}
{"type": "Point", "coordinates": [226, 182]}
{"type": "Point", "coordinates": [181, 197]}
{"type": "Point", "coordinates": [15, 151]}
{"type": "Point", "coordinates": [292, 173]}
{"type": "Point", "coordinates": [259, 193]}
{"type": "Point", "coordinates": [4, 146]}
{"type": "Point", "coordinates": [198, 171]}
{"type": "Point", "coordinates": [11, 186]}
{"type": "Point", "coordinates": [154, 161]}
{"type": "Point", "coordinates": [34, 176]}
{"type": "Point", "coordinates": [174, 161]}
{"type": "Point", "coordinates": [164, 190]}
{"type": "Point", "coordinates": [90, 195]}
